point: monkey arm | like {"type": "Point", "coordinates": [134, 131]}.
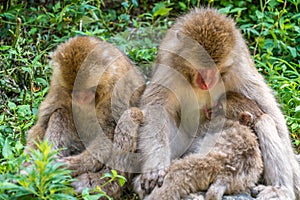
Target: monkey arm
{"type": "Point", "coordinates": [154, 146]}
{"type": "Point", "coordinates": [274, 154]}
{"type": "Point", "coordinates": [272, 128]}
{"type": "Point", "coordinates": [48, 107]}
{"type": "Point", "coordinates": [35, 134]}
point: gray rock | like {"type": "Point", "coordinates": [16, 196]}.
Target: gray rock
{"type": "Point", "coordinates": [200, 196]}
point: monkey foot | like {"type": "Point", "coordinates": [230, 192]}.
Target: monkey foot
{"type": "Point", "coordinates": [262, 192]}
{"type": "Point", "coordinates": [91, 180]}
{"type": "Point", "coordinates": [201, 196]}
{"type": "Point", "coordinates": [147, 181]}
{"type": "Point", "coordinates": [79, 165]}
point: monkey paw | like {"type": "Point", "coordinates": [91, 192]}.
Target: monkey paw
{"type": "Point", "coordinates": [262, 192]}
{"type": "Point", "coordinates": [152, 178]}
{"type": "Point", "coordinates": [79, 165]}
{"type": "Point", "coordinates": [161, 193]}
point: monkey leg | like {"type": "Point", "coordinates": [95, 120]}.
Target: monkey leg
{"type": "Point", "coordinates": [217, 189]}
{"type": "Point", "coordinates": [124, 157]}
{"type": "Point", "coordinates": [62, 134]}
{"type": "Point", "coordinates": [82, 163]}
{"type": "Point", "coordinates": [159, 142]}
{"type": "Point", "coordinates": [120, 157]}
{"type": "Point", "coordinates": [35, 134]}
{"type": "Point", "coordinates": [277, 175]}
{"type": "Point", "coordinates": [263, 192]}
{"type": "Point", "coordinates": [126, 131]}
{"type": "Point", "coordinates": [91, 180]}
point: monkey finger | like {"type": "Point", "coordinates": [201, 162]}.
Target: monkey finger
{"type": "Point", "coordinates": [145, 180]}
{"type": "Point", "coordinates": [254, 192]}
{"type": "Point", "coordinates": [67, 163]}
{"type": "Point", "coordinates": [146, 187]}
{"type": "Point", "coordinates": [161, 176]}
{"type": "Point", "coordinates": [153, 175]}
{"type": "Point", "coordinates": [152, 185]}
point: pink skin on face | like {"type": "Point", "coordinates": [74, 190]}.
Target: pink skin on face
{"type": "Point", "coordinates": [207, 78]}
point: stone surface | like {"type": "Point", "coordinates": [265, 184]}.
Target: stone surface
{"type": "Point", "coordinates": [200, 196]}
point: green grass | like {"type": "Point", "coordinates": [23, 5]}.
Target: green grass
{"type": "Point", "coordinates": [29, 32]}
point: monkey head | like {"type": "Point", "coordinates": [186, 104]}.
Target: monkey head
{"type": "Point", "coordinates": [82, 67]}
{"type": "Point", "coordinates": [199, 47]}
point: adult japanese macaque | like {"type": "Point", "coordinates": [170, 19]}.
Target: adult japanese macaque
{"type": "Point", "coordinates": [92, 84]}
{"type": "Point", "coordinates": [201, 57]}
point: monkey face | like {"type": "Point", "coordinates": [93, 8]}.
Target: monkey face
{"type": "Point", "coordinates": [206, 78]}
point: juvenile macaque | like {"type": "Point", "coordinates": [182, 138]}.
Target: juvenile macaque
{"type": "Point", "coordinates": [236, 107]}
{"type": "Point", "coordinates": [201, 57]}
{"type": "Point", "coordinates": [234, 164]}
{"type": "Point", "coordinates": [92, 84]}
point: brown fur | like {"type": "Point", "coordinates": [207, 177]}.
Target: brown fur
{"type": "Point", "coordinates": [86, 132]}
{"type": "Point", "coordinates": [220, 38]}
{"type": "Point", "coordinates": [235, 105]}
{"type": "Point", "coordinates": [173, 100]}
{"type": "Point", "coordinates": [233, 165]}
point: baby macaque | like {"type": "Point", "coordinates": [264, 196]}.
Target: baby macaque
{"type": "Point", "coordinates": [232, 166]}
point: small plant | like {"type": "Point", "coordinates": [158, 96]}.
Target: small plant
{"type": "Point", "coordinates": [97, 193]}
{"type": "Point", "coordinates": [42, 179]}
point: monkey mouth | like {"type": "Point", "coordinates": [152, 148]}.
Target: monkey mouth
{"type": "Point", "coordinates": [207, 78]}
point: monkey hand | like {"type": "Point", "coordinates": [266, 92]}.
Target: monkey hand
{"type": "Point", "coordinates": [152, 178]}
{"type": "Point", "coordinates": [81, 163]}
{"type": "Point", "coordinates": [262, 192]}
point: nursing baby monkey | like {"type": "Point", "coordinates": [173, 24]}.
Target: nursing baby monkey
{"type": "Point", "coordinates": [232, 166]}
{"type": "Point", "coordinates": [202, 57]}
{"type": "Point", "coordinates": [92, 84]}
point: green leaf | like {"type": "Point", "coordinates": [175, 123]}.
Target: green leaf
{"type": "Point", "coordinates": [26, 69]}
{"type": "Point", "coordinates": [162, 11]}
{"type": "Point", "coordinates": [182, 5]}
{"type": "Point", "coordinates": [295, 126]}
{"type": "Point", "coordinates": [259, 14]}
{"type": "Point", "coordinates": [122, 181]}
{"type": "Point", "coordinates": [114, 173]}
{"type": "Point", "coordinates": [3, 47]}
{"type": "Point", "coordinates": [237, 10]}
{"type": "Point", "coordinates": [135, 3]}
{"type": "Point", "coordinates": [42, 81]}
{"type": "Point", "coordinates": [293, 51]}
{"type": "Point", "coordinates": [125, 4]}
{"type": "Point", "coordinates": [106, 175]}
{"type": "Point", "coordinates": [6, 149]}
{"type": "Point", "coordinates": [297, 109]}
{"type": "Point", "coordinates": [12, 105]}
